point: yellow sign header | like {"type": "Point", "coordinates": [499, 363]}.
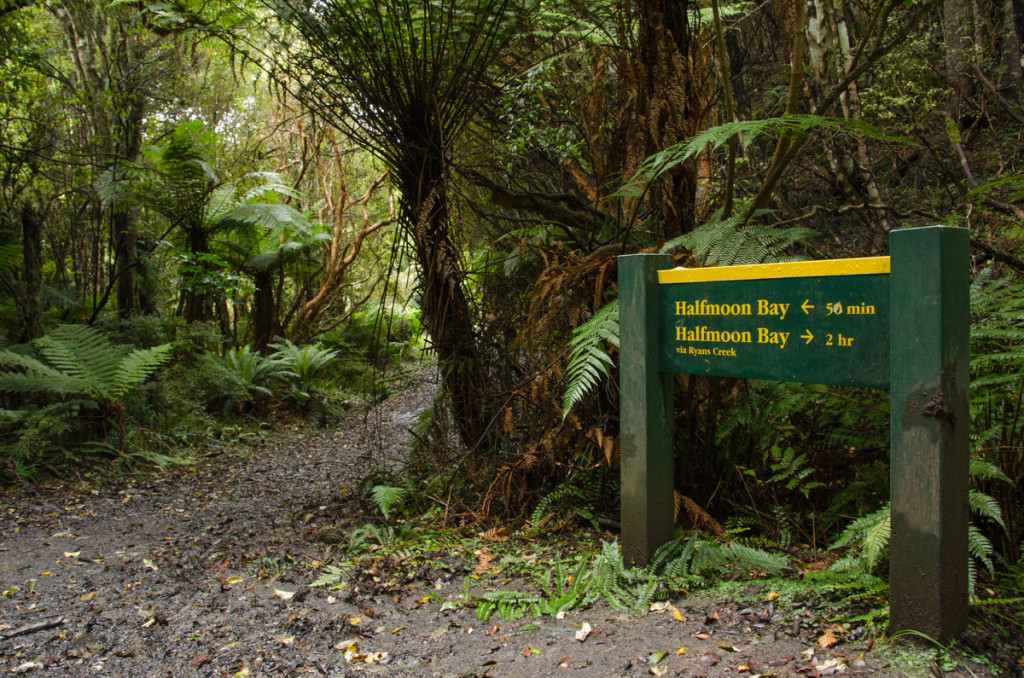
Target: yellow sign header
{"type": "Point", "coordinates": [793, 269]}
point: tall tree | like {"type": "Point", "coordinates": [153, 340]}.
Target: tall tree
{"type": "Point", "coordinates": [405, 80]}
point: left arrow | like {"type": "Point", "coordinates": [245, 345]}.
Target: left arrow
{"type": "Point", "coordinates": [806, 305]}
{"type": "Point", "coordinates": [807, 336]}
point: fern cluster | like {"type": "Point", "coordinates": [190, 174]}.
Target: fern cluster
{"type": "Point", "coordinates": [688, 561]}
{"type": "Point", "coordinates": [577, 495]}
{"type": "Point", "coordinates": [75, 371]}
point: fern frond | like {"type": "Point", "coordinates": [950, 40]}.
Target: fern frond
{"type": "Point", "coordinates": [387, 498]}
{"type": "Point", "coordinates": [588, 362]}
{"type": "Point", "coordinates": [876, 540]}
{"type": "Point", "coordinates": [83, 352]}
{"type": "Point", "coordinates": [724, 242]}
{"type": "Point", "coordinates": [986, 506]}
{"type": "Point", "coordinates": [137, 367]}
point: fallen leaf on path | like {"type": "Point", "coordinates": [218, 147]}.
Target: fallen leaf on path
{"type": "Point", "coordinates": [710, 659]}
{"type": "Point", "coordinates": [72, 554]}
{"type": "Point", "coordinates": [375, 657]}
{"type": "Point", "coordinates": [26, 667]}
{"type": "Point", "coordinates": [658, 670]}
{"type": "Point", "coordinates": [676, 614]}
{"type": "Point", "coordinates": [285, 639]}
{"type": "Point", "coordinates": [771, 597]}
{"type": "Point", "coordinates": [235, 580]}
{"type": "Point", "coordinates": [701, 636]}
{"type": "Point", "coordinates": [681, 651]}
{"type": "Point", "coordinates": [727, 647]}
{"type": "Point", "coordinates": [828, 639]}
{"type": "Point", "coordinates": [808, 654]}
{"type": "Point", "coordinates": [149, 563]}
{"type": "Point", "coordinates": [711, 618]}
{"type": "Point", "coordinates": [783, 661]}
{"type": "Point", "coordinates": [355, 621]}
{"type": "Point", "coordinates": [584, 632]}
{"type": "Point", "coordinates": [656, 658]}
{"type": "Point", "coordinates": [831, 666]}
{"type": "Point", "coordinates": [344, 644]}
{"type": "Point", "coordinates": [284, 595]}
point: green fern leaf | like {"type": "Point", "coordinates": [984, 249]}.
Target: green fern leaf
{"type": "Point", "coordinates": [588, 362]}
{"type": "Point", "coordinates": [387, 498]}
{"type": "Point", "coordinates": [83, 352]}
{"type": "Point", "coordinates": [137, 367]}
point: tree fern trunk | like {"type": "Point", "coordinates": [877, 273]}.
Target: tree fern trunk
{"type": "Point", "coordinates": [446, 307]}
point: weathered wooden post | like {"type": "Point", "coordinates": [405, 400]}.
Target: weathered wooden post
{"type": "Point", "coordinates": [930, 353]}
{"type": "Point", "coordinates": [645, 440]}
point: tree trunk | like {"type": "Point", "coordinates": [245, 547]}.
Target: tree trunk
{"type": "Point", "coordinates": [445, 304]}
{"type": "Point", "coordinates": [31, 311]}
{"type": "Point", "coordinates": [672, 80]}
{"type": "Point", "coordinates": [264, 312]}
{"type": "Point", "coordinates": [957, 34]}
{"type": "Point", "coordinates": [1012, 57]}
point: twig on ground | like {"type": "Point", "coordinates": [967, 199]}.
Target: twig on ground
{"type": "Point", "coordinates": [32, 628]}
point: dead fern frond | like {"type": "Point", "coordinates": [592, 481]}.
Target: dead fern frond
{"type": "Point", "coordinates": [698, 517]}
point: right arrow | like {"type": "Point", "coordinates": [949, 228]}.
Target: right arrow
{"type": "Point", "coordinates": [807, 336]}
{"type": "Point", "coordinates": [806, 305]}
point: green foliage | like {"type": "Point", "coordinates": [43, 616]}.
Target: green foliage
{"type": "Point", "coordinates": [660, 163]}
{"type": "Point", "coordinates": [728, 242]}
{"type": "Point", "coordinates": [588, 361]}
{"type": "Point", "coordinates": [387, 498]}
{"type": "Point", "coordinates": [302, 366]}
{"type": "Point", "coordinates": [687, 561]}
{"type": "Point", "coordinates": [871, 533]}
{"type": "Point", "coordinates": [81, 361]}
{"type": "Point", "coordinates": [259, 374]}
{"type": "Point", "coordinates": [71, 405]}
{"type": "Point", "coordinates": [578, 495]}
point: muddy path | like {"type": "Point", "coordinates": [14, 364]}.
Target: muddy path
{"type": "Point", "coordinates": [206, 570]}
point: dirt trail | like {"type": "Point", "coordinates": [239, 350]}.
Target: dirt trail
{"type": "Point", "coordinates": [205, 571]}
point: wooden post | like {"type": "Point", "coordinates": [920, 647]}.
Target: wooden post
{"type": "Point", "coordinates": [645, 412]}
{"type": "Point", "coordinates": [930, 354]}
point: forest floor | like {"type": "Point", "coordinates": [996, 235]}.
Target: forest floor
{"type": "Point", "coordinates": [205, 570]}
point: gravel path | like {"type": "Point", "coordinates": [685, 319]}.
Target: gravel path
{"type": "Point", "coordinates": [205, 571]}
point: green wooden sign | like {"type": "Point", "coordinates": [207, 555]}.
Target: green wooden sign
{"type": "Point", "coordinates": [808, 321]}
{"type": "Point", "coordinates": [899, 322]}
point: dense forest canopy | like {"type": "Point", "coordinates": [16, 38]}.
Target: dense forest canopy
{"type": "Point", "coordinates": [230, 208]}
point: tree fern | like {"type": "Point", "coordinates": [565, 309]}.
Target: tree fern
{"type": "Point", "coordinates": [588, 361]}
{"type": "Point", "coordinates": [81, 360]}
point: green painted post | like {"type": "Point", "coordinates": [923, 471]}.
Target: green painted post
{"type": "Point", "coordinates": [930, 356]}
{"type": "Point", "coordinates": [645, 441]}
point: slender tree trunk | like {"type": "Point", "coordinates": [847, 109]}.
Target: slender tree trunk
{"type": "Point", "coordinates": [958, 34]}
{"type": "Point", "coordinates": [264, 312]}
{"type": "Point", "coordinates": [1012, 56]}
{"type": "Point", "coordinates": [31, 311]}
